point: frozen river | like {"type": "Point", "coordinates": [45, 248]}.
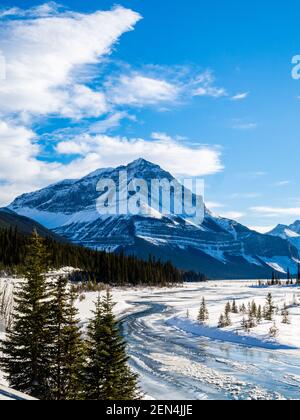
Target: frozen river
{"type": "Point", "coordinates": [173, 364]}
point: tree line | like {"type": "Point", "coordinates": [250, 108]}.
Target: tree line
{"type": "Point", "coordinates": [45, 352]}
{"type": "Point", "coordinates": [97, 266]}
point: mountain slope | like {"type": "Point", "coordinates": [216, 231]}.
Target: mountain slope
{"type": "Point", "coordinates": [291, 233]}
{"type": "Point", "coordinates": [25, 225]}
{"type": "Point", "coordinates": [220, 247]}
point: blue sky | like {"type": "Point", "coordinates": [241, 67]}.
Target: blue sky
{"type": "Point", "coordinates": [203, 88]}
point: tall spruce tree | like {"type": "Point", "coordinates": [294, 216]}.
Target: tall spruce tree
{"type": "Point", "coordinates": [234, 308]}
{"type": "Point", "coordinates": [107, 375]}
{"type": "Point", "coordinates": [203, 315]}
{"type": "Point", "coordinates": [27, 347]}
{"type": "Point", "coordinates": [68, 355]}
{"type": "Point", "coordinates": [269, 308]}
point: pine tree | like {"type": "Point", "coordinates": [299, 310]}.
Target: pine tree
{"type": "Point", "coordinates": [298, 274]}
{"type": "Point", "coordinates": [253, 310]}
{"type": "Point", "coordinates": [288, 276]}
{"type": "Point", "coordinates": [107, 374]}
{"type": "Point", "coordinates": [269, 308]}
{"type": "Point", "coordinates": [259, 314]}
{"type": "Point", "coordinates": [243, 309]}
{"type": "Point", "coordinates": [27, 348]}
{"type": "Point", "coordinates": [227, 315]}
{"type": "Point", "coordinates": [227, 308]}
{"type": "Point", "coordinates": [222, 323]}
{"type": "Point", "coordinates": [203, 315]}
{"type": "Point", "coordinates": [68, 356]}
{"type": "Point", "coordinates": [245, 325]}
{"type": "Point", "coordinates": [251, 321]}
{"type": "Point", "coordinates": [285, 315]}
{"type": "Point", "coordinates": [234, 308]}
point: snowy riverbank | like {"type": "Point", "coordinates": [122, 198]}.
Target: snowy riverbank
{"type": "Point", "coordinates": [176, 357]}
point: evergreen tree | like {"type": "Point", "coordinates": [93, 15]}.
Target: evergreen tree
{"type": "Point", "coordinates": [269, 308]}
{"type": "Point", "coordinates": [68, 346]}
{"type": "Point", "coordinates": [94, 265]}
{"type": "Point", "coordinates": [107, 375]}
{"type": "Point", "coordinates": [227, 315]}
{"type": "Point", "coordinates": [227, 308]}
{"type": "Point", "coordinates": [259, 314]}
{"type": "Point", "coordinates": [298, 274]}
{"type": "Point", "coordinates": [285, 315]}
{"type": "Point", "coordinates": [203, 315]}
{"type": "Point", "coordinates": [245, 325]}
{"type": "Point", "coordinates": [27, 348]}
{"type": "Point", "coordinates": [251, 321]}
{"type": "Point", "coordinates": [234, 308]}
{"type": "Point", "coordinates": [243, 309]}
{"type": "Point", "coordinates": [222, 323]}
{"type": "Point", "coordinates": [253, 309]}
{"type": "Point", "coordinates": [288, 276]}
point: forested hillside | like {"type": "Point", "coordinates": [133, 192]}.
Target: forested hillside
{"type": "Point", "coordinates": [94, 265]}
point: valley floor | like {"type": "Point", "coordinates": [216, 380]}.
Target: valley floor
{"type": "Point", "coordinates": [217, 293]}
{"type": "Point", "coordinates": [177, 358]}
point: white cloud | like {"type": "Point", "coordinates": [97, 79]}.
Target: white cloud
{"type": "Point", "coordinates": [170, 154]}
{"type": "Point", "coordinates": [276, 211]}
{"type": "Point", "coordinates": [47, 51]}
{"type": "Point", "coordinates": [17, 152]}
{"type": "Point", "coordinates": [43, 10]}
{"type": "Point", "coordinates": [204, 86]}
{"type": "Point", "coordinates": [20, 168]}
{"type": "Point", "coordinates": [240, 96]}
{"type": "Point", "coordinates": [43, 56]}
{"type": "Point", "coordinates": [112, 121]}
{"type": "Point", "coordinates": [282, 183]}
{"type": "Point", "coordinates": [240, 125]}
{"type": "Point", "coordinates": [139, 90]}
{"type": "Point", "coordinates": [211, 205]}
{"type": "Point", "coordinates": [161, 136]}
{"type": "Point", "coordinates": [235, 215]}
{"type": "Point", "coordinates": [245, 195]}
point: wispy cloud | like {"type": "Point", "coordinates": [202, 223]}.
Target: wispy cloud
{"type": "Point", "coordinates": [49, 51]}
{"type": "Point", "coordinates": [171, 154]}
{"type": "Point", "coordinates": [44, 10]}
{"type": "Point", "coordinates": [240, 96]}
{"type": "Point", "coordinates": [276, 211]}
{"type": "Point", "coordinates": [43, 55]}
{"type": "Point", "coordinates": [140, 90]}
{"type": "Point", "coordinates": [241, 125]}
{"type": "Point", "coordinates": [204, 85]}
{"type": "Point", "coordinates": [214, 205]}
{"type": "Point", "coordinates": [235, 215]}
{"type": "Point", "coordinates": [111, 122]}
{"type": "Point", "coordinates": [245, 195]}
{"type": "Point", "coordinates": [282, 183]}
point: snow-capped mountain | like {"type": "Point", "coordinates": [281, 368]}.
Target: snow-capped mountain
{"type": "Point", "coordinates": [219, 247]}
{"type": "Point", "coordinates": [291, 233]}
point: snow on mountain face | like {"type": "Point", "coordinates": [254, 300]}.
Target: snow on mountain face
{"type": "Point", "coordinates": [219, 247]}
{"type": "Point", "coordinates": [290, 233]}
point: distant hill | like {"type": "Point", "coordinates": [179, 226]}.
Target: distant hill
{"type": "Point", "coordinates": [25, 225]}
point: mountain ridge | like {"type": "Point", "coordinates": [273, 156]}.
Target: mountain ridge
{"type": "Point", "coordinates": [25, 225]}
{"type": "Point", "coordinates": [225, 248]}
